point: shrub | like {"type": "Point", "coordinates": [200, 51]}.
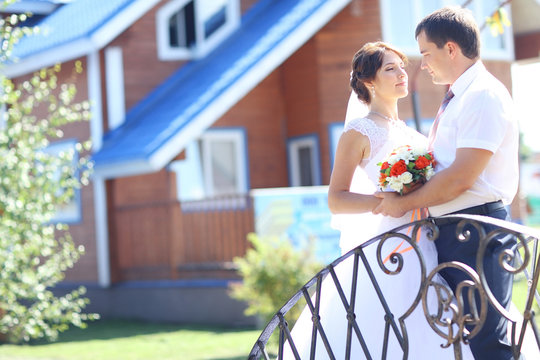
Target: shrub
{"type": "Point", "coordinates": [272, 272]}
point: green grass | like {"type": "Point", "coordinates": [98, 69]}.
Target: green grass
{"type": "Point", "coordinates": [130, 340]}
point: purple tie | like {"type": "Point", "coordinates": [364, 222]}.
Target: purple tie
{"type": "Point", "coordinates": [431, 138]}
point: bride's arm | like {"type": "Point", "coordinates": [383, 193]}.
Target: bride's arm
{"type": "Point", "coordinates": [351, 149]}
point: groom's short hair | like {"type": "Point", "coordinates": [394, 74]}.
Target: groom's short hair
{"type": "Point", "coordinates": [455, 24]}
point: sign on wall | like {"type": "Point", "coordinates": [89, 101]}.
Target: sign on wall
{"type": "Point", "coordinates": [297, 214]}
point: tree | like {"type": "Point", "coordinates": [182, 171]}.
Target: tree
{"type": "Point", "coordinates": [35, 251]}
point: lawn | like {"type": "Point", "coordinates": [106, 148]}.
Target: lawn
{"type": "Point", "coordinates": [133, 340]}
{"type": "Point", "coordinates": [130, 340]}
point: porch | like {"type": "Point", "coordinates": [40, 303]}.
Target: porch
{"type": "Point", "coordinates": [170, 240]}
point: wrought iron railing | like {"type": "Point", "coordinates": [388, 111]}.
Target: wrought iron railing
{"type": "Point", "coordinates": [454, 322]}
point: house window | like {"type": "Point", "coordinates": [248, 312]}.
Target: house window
{"type": "Point", "coordinates": [334, 133]}
{"type": "Point", "coordinates": [224, 162]}
{"type": "Point", "coordinates": [304, 166]}
{"type": "Point", "coordinates": [215, 165]}
{"type": "Point", "coordinates": [399, 20]}
{"type": "Point", "coordinates": [191, 28]}
{"type": "Point", "coordinates": [71, 211]}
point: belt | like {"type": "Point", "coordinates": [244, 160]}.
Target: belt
{"type": "Point", "coordinates": [484, 209]}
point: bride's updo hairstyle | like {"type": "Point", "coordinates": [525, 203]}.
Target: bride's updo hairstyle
{"type": "Point", "coordinates": [365, 64]}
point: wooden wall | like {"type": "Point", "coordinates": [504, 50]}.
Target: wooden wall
{"type": "Point", "coordinates": [262, 113]}
{"type": "Point", "coordinates": [527, 46]}
{"type": "Point", "coordinates": [84, 232]}
{"type": "Point", "coordinates": [143, 71]}
{"type": "Point", "coordinates": [336, 44]}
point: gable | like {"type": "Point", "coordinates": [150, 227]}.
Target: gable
{"type": "Point", "coordinates": [199, 93]}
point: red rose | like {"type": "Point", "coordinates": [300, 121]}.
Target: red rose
{"type": "Point", "coordinates": [398, 168]}
{"type": "Point", "coordinates": [385, 165]}
{"type": "Point", "coordinates": [421, 162]}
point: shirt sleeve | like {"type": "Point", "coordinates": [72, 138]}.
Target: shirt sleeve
{"type": "Point", "coordinates": [483, 121]}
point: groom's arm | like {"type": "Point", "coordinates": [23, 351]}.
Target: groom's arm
{"type": "Point", "coordinates": [444, 186]}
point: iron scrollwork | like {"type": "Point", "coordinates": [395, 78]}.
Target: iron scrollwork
{"type": "Point", "coordinates": [456, 316]}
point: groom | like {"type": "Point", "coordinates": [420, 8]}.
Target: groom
{"type": "Point", "coordinates": [475, 143]}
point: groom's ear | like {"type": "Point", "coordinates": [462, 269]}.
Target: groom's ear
{"type": "Point", "coordinates": [452, 49]}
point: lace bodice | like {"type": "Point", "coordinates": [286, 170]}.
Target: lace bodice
{"type": "Point", "coordinates": [382, 141]}
{"type": "Point", "coordinates": [360, 227]}
{"type": "Point", "coordinates": [376, 134]}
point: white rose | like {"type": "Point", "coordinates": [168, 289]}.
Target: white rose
{"type": "Point", "coordinates": [406, 156]}
{"type": "Point", "coordinates": [395, 183]}
{"type": "Point", "coordinates": [429, 172]}
{"type": "Point", "coordinates": [406, 177]}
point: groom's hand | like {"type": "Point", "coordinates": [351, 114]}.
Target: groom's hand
{"type": "Point", "coordinates": [389, 205]}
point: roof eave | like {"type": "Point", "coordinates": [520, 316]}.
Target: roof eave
{"type": "Point", "coordinates": [40, 8]}
{"type": "Point", "coordinates": [82, 46]}
{"type": "Point", "coordinates": [127, 168]}
{"type": "Point", "coordinates": [60, 54]}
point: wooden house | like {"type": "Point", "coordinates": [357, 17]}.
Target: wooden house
{"type": "Point", "coordinates": [195, 103]}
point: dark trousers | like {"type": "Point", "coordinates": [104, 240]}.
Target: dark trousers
{"type": "Point", "coordinates": [491, 342]}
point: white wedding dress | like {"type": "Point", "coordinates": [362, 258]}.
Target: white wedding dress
{"type": "Point", "coordinates": [399, 290]}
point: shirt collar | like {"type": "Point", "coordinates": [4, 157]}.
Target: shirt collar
{"type": "Point", "coordinates": [460, 85]}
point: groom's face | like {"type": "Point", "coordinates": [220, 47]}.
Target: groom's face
{"type": "Point", "coordinates": [434, 60]}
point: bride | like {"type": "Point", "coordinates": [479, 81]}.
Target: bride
{"type": "Point", "coordinates": [378, 79]}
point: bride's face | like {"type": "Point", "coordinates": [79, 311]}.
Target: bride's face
{"type": "Point", "coordinates": [391, 79]}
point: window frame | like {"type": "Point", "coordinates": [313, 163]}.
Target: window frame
{"type": "Point", "coordinates": [334, 133]}
{"type": "Point", "coordinates": [238, 137]}
{"type": "Point", "coordinates": [115, 86]}
{"type": "Point", "coordinates": [55, 148]}
{"type": "Point", "coordinates": [411, 50]}
{"type": "Point", "coordinates": [196, 162]}
{"type": "Point", "coordinates": [293, 145]}
{"type": "Point", "coordinates": [202, 46]}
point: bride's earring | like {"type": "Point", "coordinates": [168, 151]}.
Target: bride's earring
{"type": "Point", "coordinates": [372, 92]}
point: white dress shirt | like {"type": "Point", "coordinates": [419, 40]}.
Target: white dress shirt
{"type": "Point", "coordinates": [479, 116]}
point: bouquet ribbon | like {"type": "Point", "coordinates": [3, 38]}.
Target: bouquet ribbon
{"type": "Point", "coordinates": [417, 214]}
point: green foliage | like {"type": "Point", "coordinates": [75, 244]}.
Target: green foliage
{"type": "Point", "coordinates": [34, 183]}
{"type": "Point", "coordinates": [272, 272]}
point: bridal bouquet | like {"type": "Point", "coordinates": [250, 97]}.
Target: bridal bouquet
{"type": "Point", "coordinates": [406, 167]}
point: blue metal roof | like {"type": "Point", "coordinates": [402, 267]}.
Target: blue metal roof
{"type": "Point", "coordinates": [73, 21]}
{"type": "Point", "coordinates": [46, 1]}
{"type": "Point", "coordinates": [179, 101]}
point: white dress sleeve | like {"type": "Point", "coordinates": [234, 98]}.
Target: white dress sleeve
{"type": "Point", "coordinates": [377, 135]}
{"type": "Point", "coordinates": [359, 227]}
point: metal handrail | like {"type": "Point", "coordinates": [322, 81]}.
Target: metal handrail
{"type": "Point", "coordinates": [453, 323]}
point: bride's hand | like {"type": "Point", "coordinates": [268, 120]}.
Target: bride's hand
{"type": "Point", "coordinates": [389, 205]}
